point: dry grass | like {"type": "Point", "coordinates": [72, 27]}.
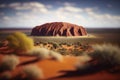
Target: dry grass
{"type": "Point", "coordinates": [102, 57]}
{"type": "Point", "coordinates": [9, 62]}
{"type": "Point", "coordinates": [82, 62]}
{"type": "Point", "coordinates": [20, 41]}
{"type": "Point", "coordinates": [32, 72]}
{"type": "Point", "coordinates": [57, 56]}
{"type": "Point", "coordinates": [41, 53]}
{"type": "Point", "coordinates": [106, 54]}
{"type": "Point", "coordinates": [6, 76]}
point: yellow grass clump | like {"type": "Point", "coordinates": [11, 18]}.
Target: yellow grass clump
{"type": "Point", "coordinates": [20, 41]}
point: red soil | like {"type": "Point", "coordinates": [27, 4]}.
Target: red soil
{"type": "Point", "coordinates": [53, 69]}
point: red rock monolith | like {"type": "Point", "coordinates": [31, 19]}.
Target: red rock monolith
{"type": "Point", "coordinates": [58, 29]}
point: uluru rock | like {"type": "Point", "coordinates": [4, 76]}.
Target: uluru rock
{"type": "Point", "coordinates": [58, 29]}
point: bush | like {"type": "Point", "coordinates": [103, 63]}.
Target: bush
{"type": "Point", "coordinates": [41, 53]}
{"type": "Point", "coordinates": [79, 43]}
{"type": "Point", "coordinates": [1, 44]}
{"type": "Point", "coordinates": [9, 62]}
{"type": "Point", "coordinates": [82, 62]}
{"type": "Point", "coordinates": [6, 76]}
{"type": "Point", "coordinates": [106, 54]}
{"type": "Point", "coordinates": [55, 45]}
{"type": "Point", "coordinates": [20, 41]}
{"type": "Point", "coordinates": [56, 56]}
{"type": "Point", "coordinates": [76, 52]}
{"type": "Point", "coordinates": [32, 72]}
{"type": "Point", "coordinates": [62, 51]}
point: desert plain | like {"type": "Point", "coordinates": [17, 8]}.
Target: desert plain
{"type": "Point", "coordinates": [66, 57]}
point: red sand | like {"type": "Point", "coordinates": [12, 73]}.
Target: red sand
{"type": "Point", "coordinates": [52, 68]}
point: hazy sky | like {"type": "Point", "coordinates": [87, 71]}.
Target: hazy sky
{"type": "Point", "coordinates": [88, 13]}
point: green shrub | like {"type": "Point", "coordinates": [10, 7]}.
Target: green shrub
{"type": "Point", "coordinates": [55, 45]}
{"type": "Point", "coordinates": [76, 52]}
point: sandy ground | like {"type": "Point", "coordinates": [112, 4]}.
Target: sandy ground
{"type": "Point", "coordinates": [54, 70]}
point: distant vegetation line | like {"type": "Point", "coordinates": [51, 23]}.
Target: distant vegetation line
{"type": "Point", "coordinates": [89, 30]}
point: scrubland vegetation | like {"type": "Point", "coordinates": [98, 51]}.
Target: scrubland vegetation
{"type": "Point", "coordinates": [20, 41]}
{"type": "Point", "coordinates": [56, 56]}
{"type": "Point", "coordinates": [6, 76]}
{"type": "Point", "coordinates": [32, 72]}
{"type": "Point", "coordinates": [89, 56]}
{"type": "Point", "coordinates": [75, 49]}
{"type": "Point", "coordinates": [82, 62]}
{"type": "Point", "coordinates": [106, 54]}
{"type": "Point", "coordinates": [40, 53]}
{"type": "Point", "coordinates": [103, 56]}
{"type": "Point", "coordinates": [9, 62]}
{"type": "Point", "coordinates": [43, 53]}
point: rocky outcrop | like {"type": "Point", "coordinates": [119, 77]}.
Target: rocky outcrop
{"type": "Point", "coordinates": [58, 29]}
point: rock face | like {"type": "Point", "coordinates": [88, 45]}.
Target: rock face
{"type": "Point", "coordinates": [58, 29]}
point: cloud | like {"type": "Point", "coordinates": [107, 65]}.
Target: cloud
{"type": "Point", "coordinates": [32, 6]}
{"type": "Point", "coordinates": [14, 5]}
{"type": "Point", "coordinates": [28, 13]}
{"type": "Point", "coordinates": [36, 13]}
{"type": "Point", "coordinates": [2, 5]}
{"type": "Point", "coordinates": [109, 6]}
{"type": "Point", "coordinates": [6, 18]}
{"type": "Point", "coordinates": [87, 16]}
{"type": "Point", "coordinates": [72, 9]}
{"type": "Point", "coordinates": [69, 8]}
{"type": "Point", "coordinates": [104, 19]}
{"type": "Point", "coordinates": [68, 4]}
{"type": "Point", "coordinates": [1, 13]}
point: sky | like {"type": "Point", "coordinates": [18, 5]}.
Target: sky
{"type": "Point", "coordinates": [88, 13]}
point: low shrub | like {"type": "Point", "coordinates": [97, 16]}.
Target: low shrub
{"type": "Point", "coordinates": [41, 53]}
{"type": "Point", "coordinates": [106, 54]}
{"type": "Point", "coordinates": [32, 72]}
{"type": "Point", "coordinates": [9, 62]}
{"type": "Point", "coordinates": [20, 41]}
{"type": "Point", "coordinates": [82, 62]}
{"type": "Point", "coordinates": [56, 55]}
{"type": "Point", "coordinates": [6, 76]}
{"type": "Point", "coordinates": [55, 45]}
